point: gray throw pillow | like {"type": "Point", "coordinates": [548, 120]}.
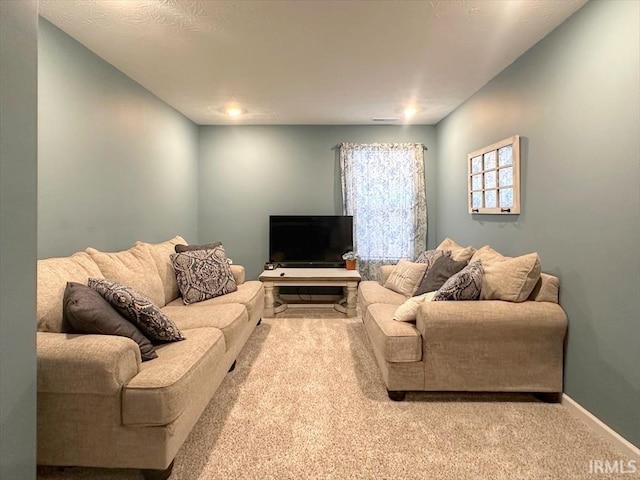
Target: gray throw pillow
{"type": "Point", "coordinates": [86, 311]}
{"type": "Point", "coordinates": [443, 268]}
{"type": "Point", "coordinates": [203, 274]}
{"type": "Point", "coordinates": [464, 285]}
{"type": "Point", "coordinates": [138, 309]}
{"type": "Point", "coordinates": [430, 256]}
{"type": "Point", "coordinates": [189, 248]}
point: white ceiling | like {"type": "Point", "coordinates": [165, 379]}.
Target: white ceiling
{"type": "Point", "coordinates": [310, 61]}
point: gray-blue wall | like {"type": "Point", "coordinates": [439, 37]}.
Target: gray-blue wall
{"type": "Point", "coordinates": [18, 166]}
{"type": "Point", "coordinates": [250, 172]}
{"type": "Point", "coordinates": [115, 164]}
{"type": "Point", "coordinates": [574, 99]}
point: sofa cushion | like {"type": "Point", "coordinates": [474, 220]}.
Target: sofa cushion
{"type": "Point", "coordinates": [161, 256]}
{"type": "Point", "coordinates": [138, 309]}
{"type": "Point", "coordinates": [507, 278]}
{"type": "Point", "coordinates": [458, 252]}
{"type": "Point", "coordinates": [442, 269]}
{"type": "Point", "coordinates": [231, 319]}
{"type": "Point", "coordinates": [203, 274]}
{"type": "Point", "coordinates": [52, 277]}
{"type": "Point", "coordinates": [189, 248]}
{"type": "Point", "coordinates": [464, 285]}
{"type": "Point", "coordinates": [250, 294]}
{"type": "Point", "coordinates": [405, 277]}
{"type": "Point", "coordinates": [370, 292]}
{"type": "Point", "coordinates": [134, 267]}
{"type": "Point", "coordinates": [163, 389]}
{"type": "Point", "coordinates": [408, 311]}
{"type": "Point", "coordinates": [396, 341]}
{"type": "Point", "coordinates": [86, 311]}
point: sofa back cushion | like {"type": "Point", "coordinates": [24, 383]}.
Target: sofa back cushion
{"type": "Point", "coordinates": [546, 290]}
{"type": "Point", "coordinates": [239, 274]}
{"type": "Point", "coordinates": [507, 278]}
{"type": "Point", "coordinates": [161, 253]}
{"type": "Point", "coordinates": [458, 252]}
{"type": "Point", "coordinates": [53, 275]}
{"type": "Point", "coordinates": [135, 268]}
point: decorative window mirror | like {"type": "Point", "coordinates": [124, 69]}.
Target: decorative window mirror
{"type": "Point", "coordinates": [494, 178]}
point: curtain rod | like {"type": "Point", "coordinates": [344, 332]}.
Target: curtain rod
{"type": "Point", "coordinates": [337, 146]}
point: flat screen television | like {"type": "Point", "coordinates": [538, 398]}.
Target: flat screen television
{"type": "Point", "coordinates": [309, 240]}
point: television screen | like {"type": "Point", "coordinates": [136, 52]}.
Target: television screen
{"type": "Point", "coordinates": [309, 240]}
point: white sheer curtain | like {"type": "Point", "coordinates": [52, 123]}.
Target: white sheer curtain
{"type": "Point", "coordinates": [383, 188]}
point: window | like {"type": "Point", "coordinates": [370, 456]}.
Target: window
{"type": "Point", "coordinates": [494, 178]}
{"type": "Point", "coordinates": [383, 188]}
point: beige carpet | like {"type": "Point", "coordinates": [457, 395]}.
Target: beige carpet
{"type": "Point", "coordinates": [306, 401]}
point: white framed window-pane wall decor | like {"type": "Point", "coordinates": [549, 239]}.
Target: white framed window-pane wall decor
{"type": "Point", "coordinates": [494, 178]}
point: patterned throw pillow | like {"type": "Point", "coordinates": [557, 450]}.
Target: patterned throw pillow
{"type": "Point", "coordinates": [203, 274]}
{"type": "Point", "coordinates": [464, 285]}
{"type": "Point", "coordinates": [405, 277]}
{"type": "Point", "coordinates": [138, 309]}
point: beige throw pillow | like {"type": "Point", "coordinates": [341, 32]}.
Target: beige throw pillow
{"type": "Point", "coordinates": [507, 278]}
{"type": "Point", "coordinates": [408, 311]}
{"type": "Point", "coordinates": [458, 253]}
{"type": "Point", "coordinates": [405, 277]}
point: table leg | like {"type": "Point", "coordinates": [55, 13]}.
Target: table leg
{"type": "Point", "coordinates": [269, 306]}
{"type": "Point", "coordinates": [351, 300]}
{"type": "Point", "coordinates": [279, 304]}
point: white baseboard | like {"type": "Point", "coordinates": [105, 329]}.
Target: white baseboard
{"type": "Point", "coordinates": [607, 433]}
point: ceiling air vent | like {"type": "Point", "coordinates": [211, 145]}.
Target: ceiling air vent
{"type": "Point", "coordinates": [384, 119]}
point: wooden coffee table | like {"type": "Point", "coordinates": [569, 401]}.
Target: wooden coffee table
{"type": "Point", "coordinates": [309, 277]}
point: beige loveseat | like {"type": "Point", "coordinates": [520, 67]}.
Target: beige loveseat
{"type": "Point", "coordinates": [99, 405]}
{"type": "Point", "coordinates": [472, 346]}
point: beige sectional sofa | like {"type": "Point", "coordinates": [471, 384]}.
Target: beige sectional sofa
{"type": "Point", "coordinates": [99, 405]}
{"type": "Point", "coordinates": [483, 345]}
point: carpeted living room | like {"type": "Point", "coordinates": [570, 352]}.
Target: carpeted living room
{"type": "Point", "coordinates": [126, 124]}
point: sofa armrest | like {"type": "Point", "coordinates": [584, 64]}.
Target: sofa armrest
{"type": "Point", "coordinates": [487, 320]}
{"type": "Point", "coordinates": [89, 364]}
{"type": "Point", "coordinates": [238, 274]}
{"type": "Point", "coordinates": [493, 345]}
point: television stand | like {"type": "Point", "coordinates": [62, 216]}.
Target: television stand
{"type": "Point", "coordinates": [309, 277]}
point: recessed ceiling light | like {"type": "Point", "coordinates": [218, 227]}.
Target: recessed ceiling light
{"type": "Point", "coordinates": [233, 111]}
{"type": "Point", "coordinates": [410, 112]}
